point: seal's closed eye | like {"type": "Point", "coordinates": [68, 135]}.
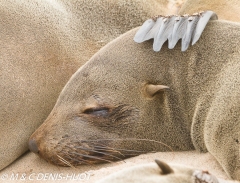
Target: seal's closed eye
{"type": "Point", "coordinates": [98, 111]}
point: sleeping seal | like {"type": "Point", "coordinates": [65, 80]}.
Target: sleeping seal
{"type": "Point", "coordinates": [126, 91]}
{"type": "Point", "coordinates": [42, 44]}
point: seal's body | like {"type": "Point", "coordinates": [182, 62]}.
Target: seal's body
{"type": "Point", "coordinates": [127, 91]}
{"type": "Point", "coordinates": [42, 44]}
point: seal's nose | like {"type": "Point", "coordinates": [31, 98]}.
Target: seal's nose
{"type": "Point", "coordinates": [32, 145]}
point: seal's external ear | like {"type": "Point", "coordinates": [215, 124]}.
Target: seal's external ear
{"type": "Point", "coordinates": [166, 169]}
{"type": "Point", "coordinates": [151, 90]}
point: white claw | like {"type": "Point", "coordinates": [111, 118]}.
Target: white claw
{"type": "Point", "coordinates": [154, 30]}
{"type": "Point", "coordinates": [204, 18]}
{"type": "Point", "coordinates": [164, 32]}
{"type": "Point", "coordinates": [178, 31]}
{"type": "Point", "coordinates": [188, 35]}
{"type": "Point", "coordinates": [144, 29]}
{"type": "Point", "coordinates": [173, 28]}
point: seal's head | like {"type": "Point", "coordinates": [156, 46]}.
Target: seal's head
{"type": "Point", "coordinates": [110, 105]}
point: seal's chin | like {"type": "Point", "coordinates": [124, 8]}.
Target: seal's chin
{"type": "Point", "coordinates": [83, 152]}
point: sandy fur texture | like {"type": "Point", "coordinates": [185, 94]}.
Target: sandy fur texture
{"type": "Point", "coordinates": [207, 77]}
{"type": "Point", "coordinates": [42, 44]}
{"type": "Point", "coordinates": [30, 162]}
{"type": "Point", "coordinates": [225, 9]}
{"type": "Point", "coordinates": [203, 100]}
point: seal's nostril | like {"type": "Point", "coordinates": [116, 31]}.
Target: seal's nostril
{"type": "Point", "coordinates": [32, 145]}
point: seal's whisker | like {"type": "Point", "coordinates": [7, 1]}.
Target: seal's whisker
{"type": "Point", "coordinates": [118, 150]}
{"type": "Point", "coordinates": [107, 148]}
{"type": "Point", "coordinates": [89, 156]}
{"type": "Point", "coordinates": [133, 139]}
{"type": "Point", "coordinates": [129, 155]}
{"type": "Point", "coordinates": [99, 152]}
{"type": "Point", "coordinates": [81, 160]}
{"type": "Point", "coordinates": [64, 161]}
{"type": "Point", "coordinates": [134, 150]}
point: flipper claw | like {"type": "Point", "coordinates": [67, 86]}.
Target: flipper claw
{"type": "Point", "coordinates": [155, 28]}
{"type": "Point", "coordinates": [145, 28]}
{"type": "Point", "coordinates": [204, 18]}
{"type": "Point", "coordinates": [178, 32]}
{"type": "Point", "coordinates": [163, 33]}
{"type": "Point", "coordinates": [172, 28]}
{"type": "Point", "coordinates": [190, 29]}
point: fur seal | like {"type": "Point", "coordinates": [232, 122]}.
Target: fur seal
{"type": "Point", "coordinates": [42, 44]}
{"type": "Point", "coordinates": [122, 92]}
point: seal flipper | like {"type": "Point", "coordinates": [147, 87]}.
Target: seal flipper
{"type": "Point", "coordinates": [205, 17]}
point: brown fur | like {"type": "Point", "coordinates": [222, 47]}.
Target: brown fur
{"type": "Point", "coordinates": [201, 107]}
{"type": "Point", "coordinates": [42, 44]}
{"type": "Point", "coordinates": [225, 9]}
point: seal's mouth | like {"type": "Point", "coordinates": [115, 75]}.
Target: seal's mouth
{"type": "Point", "coordinates": [90, 156]}
{"type": "Point", "coordinates": [87, 152]}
